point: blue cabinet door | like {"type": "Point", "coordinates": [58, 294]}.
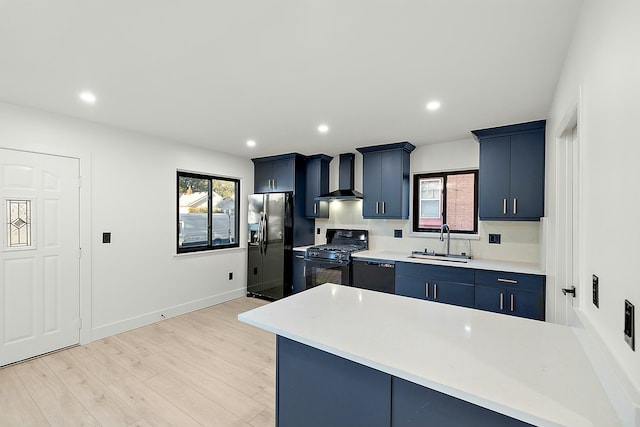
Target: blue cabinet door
{"type": "Point", "coordinates": [490, 298]}
{"type": "Point", "coordinates": [414, 287]}
{"type": "Point", "coordinates": [391, 195]}
{"type": "Point", "coordinates": [525, 304]}
{"type": "Point", "coordinates": [283, 175]}
{"type": "Point", "coordinates": [527, 176]}
{"type": "Point", "coordinates": [318, 389]}
{"type": "Point", "coordinates": [317, 174]}
{"type": "Point", "coordinates": [262, 175]}
{"type": "Point", "coordinates": [493, 178]}
{"type": "Point", "coordinates": [371, 184]}
{"type": "Point", "coordinates": [299, 279]}
{"type": "Point", "coordinates": [452, 293]}
{"type": "Point", "coordinates": [413, 405]}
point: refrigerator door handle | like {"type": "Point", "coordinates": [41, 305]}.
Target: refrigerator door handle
{"type": "Point", "coordinates": [265, 235]}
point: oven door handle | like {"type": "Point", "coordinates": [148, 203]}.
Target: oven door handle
{"type": "Point", "coordinates": [322, 262]}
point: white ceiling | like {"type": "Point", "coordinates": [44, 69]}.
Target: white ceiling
{"type": "Point", "coordinates": [216, 73]}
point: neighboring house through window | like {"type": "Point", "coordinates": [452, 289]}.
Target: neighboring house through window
{"type": "Point", "coordinates": [207, 212]}
{"type": "Point", "coordinates": [446, 198]}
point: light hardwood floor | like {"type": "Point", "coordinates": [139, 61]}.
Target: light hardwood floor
{"type": "Point", "coordinates": [201, 369]}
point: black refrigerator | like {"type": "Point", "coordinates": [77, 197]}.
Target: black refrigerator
{"type": "Point", "coordinates": [270, 248]}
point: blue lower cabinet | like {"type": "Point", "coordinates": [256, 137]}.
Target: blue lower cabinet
{"type": "Point", "coordinates": [414, 287]}
{"type": "Point", "coordinates": [315, 388]}
{"type": "Point", "coordinates": [319, 389]}
{"type": "Point", "coordinates": [461, 294]}
{"type": "Point", "coordinates": [448, 285]}
{"type": "Point", "coordinates": [516, 294]}
{"type": "Point", "coordinates": [416, 406]}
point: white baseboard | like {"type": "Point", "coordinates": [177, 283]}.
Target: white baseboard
{"type": "Point", "coordinates": [624, 397]}
{"type": "Point", "coordinates": [168, 312]}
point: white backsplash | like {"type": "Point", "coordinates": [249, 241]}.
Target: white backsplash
{"type": "Point", "coordinates": [520, 241]}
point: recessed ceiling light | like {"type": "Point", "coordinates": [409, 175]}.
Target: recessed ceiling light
{"type": "Point", "coordinates": [323, 128]}
{"type": "Point", "coordinates": [251, 143]}
{"type": "Point", "coordinates": [88, 97]}
{"type": "Point", "coordinates": [433, 105]}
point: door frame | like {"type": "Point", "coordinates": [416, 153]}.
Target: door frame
{"type": "Point", "coordinates": [571, 121]}
{"type": "Point", "coordinates": [84, 161]}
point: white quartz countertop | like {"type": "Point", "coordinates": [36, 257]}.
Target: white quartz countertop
{"type": "Point", "coordinates": [530, 370]}
{"type": "Point", "coordinates": [481, 264]}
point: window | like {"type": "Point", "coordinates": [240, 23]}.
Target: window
{"type": "Point", "coordinates": [446, 198]}
{"type": "Point", "coordinates": [208, 212]}
{"type": "Point", "coordinates": [19, 223]}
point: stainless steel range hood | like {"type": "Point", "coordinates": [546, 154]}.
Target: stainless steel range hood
{"type": "Point", "coordinates": [345, 189]}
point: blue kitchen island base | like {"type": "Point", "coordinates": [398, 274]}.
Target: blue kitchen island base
{"type": "Point", "coordinates": [316, 388]}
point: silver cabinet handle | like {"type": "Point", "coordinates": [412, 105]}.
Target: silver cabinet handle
{"type": "Point", "coordinates": [504, 206]}
{"type": "Point", "coordinates": [513, 282]}
{"type": "Point", "coordinates": [435, 291]}
{"type": "Point", "coordinates": [511, 302]}
{"type": "Point", "coordinates": [377, 208]}
{"type": "Point", "coordinates": [426, 286]}
{"type": "Point", "coordinates": [315, 208]}
{"type": "Point", "coordinates": [515, 205]}
{"type": "Point", "coordinates": [300, 256]}
{"type": "Point", "coordinates": [383, 209]}
{"type": "Point", "coordinates": [274, 184]}
{"type": "Point", "coordinates": [304, 271]}
{"type": "Point", "coordinates": [501, 301]}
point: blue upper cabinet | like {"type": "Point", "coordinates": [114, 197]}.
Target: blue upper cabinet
{"type": "Point", "coordinates": [317, 185]}
{"type": "Point", "coordinates": [385, 180]}
{"type": "Point", "coordinates": [511, 176]}
{"type": "Point", "coordinates": [277, 174]}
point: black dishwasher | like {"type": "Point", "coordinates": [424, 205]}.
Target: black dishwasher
{"type": "Point", "coordinates": [375, 275]}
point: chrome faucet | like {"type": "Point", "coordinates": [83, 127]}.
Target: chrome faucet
{"type": "Point", "coordinates": [445, 227]}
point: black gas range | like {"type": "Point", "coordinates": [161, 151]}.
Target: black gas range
{"type": "Point", "coordinates": [331, 263]}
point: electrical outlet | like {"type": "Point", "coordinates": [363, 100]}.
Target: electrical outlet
{"type": "Point", "coordinates": [494, 238]}
{"type": "Point", "coordinates": [318, 230]}
{"type": "Point", "coordinates": [230, 275]}
{"type": "Point", "coordinates": [629, 324]}
{"type": "Point", "coordinates": [397, 233]}
{"type": "Point", "coordinates": [106, 237]}
{"type": "Point", "coordinates": [595, 291]}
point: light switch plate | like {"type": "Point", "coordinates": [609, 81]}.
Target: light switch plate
{"type": "Point", "coordinates": [629, 324]}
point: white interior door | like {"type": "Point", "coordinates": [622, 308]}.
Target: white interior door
{"type": "Point", "coordinates": [39, 258]}
{"type": "Point", "coordinates": [567, 233]}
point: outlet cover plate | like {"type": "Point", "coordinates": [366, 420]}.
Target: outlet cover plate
{"type": "Point", "coordinates": [494, 238]}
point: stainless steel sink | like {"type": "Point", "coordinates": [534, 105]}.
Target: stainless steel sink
{"type": "Point", "coordinates": [439, 257]}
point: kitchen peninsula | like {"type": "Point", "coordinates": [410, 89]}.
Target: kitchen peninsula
{"type": "Point", "coordinates": [348, 356]}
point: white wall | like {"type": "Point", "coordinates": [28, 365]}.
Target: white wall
{"type": "Point", "coordinates": [520, 241]}
{"type": "Point", "coordinates": [129, 185]}
{"type": "Point", "coordinates": [601, 80]}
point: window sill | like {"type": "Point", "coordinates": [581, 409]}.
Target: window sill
{"type": "Point", "coordinates": [209, 252]}
{"type": "Point", "coordinates": [436, 235]}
